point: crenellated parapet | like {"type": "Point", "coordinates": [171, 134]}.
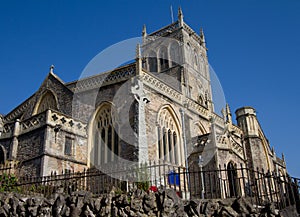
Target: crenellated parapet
{"type": "Point", "coordinates": [103, 79]}
{"type": "Point", "coordinates": [33, 123]}
{"type": "Point", "coordinates": [65, 123]}
{"type": "Point", "coordinates": [193, 34]}
{"type": "Point", "coordinates": [50, 118]}
{"type": "Point", "coordinates": [164, 31]}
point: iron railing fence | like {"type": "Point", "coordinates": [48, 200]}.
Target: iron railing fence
{"type": "Point", "coordinates": [259, 186]}
{"type": "Point", "coordinates": [8, 168]}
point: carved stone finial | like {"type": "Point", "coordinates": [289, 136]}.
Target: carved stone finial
{"type": "Point", "coordinates": [223, 114]}
{"type": "Point", "coordinates": [51, 68]}
{"type": "Point", "coordinates": [144, 32]}
{"type": "Point", "coordinates": [202, 35]}
{"type": "Point", "coordinates": [228, 109]}
{"type": "Point", "coordinates": [283, 157]}
{"type": "Point", "coordinates": [180, 16]}
{"type": "Point", "coordinates": [228, 113]}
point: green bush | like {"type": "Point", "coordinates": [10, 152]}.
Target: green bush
{"type": "Point", "coordinates": [8, 182]}
{"type": "Point", "coordinates": [144, 185]}
{"type": "Point", "coordinates": [143, 178]}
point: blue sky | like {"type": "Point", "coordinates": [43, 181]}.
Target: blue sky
{"type": "Point", "coordinates": [253, 47]}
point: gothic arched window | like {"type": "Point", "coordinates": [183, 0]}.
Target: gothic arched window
{"type": "Point", "coordinates": [174, 54]}
{"type": "Point", "coordinates": [106, 140]}
{"type": "Point", "coordinates": [169, 147]}
{"type": "Point", "coordinates": [188, 54]}
{"type": "Point", "coordinates": [163, 58]}
{"type": "Point", "coordinates": [152, 61]}
{"type": "Point", "coordinates": [201, 65]}
{"type": "Point", "coordinates": [48, 101]}
{"type": "Point", "coordinates": [195, 60]}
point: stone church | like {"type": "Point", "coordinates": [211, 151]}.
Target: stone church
{"type": "Point", "coordinates": [157, 108]}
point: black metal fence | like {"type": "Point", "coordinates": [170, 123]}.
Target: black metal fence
{"type": "Point", "coordinates": [259, 186]}
{"type": "Point", "coordinates": [8, 168]}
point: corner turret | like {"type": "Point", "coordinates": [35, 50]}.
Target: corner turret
{"type": "Point", "coordinates": [246, 119]}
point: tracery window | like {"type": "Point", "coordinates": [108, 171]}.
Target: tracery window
{"type": "Point", "coordinates": [202, 66]}
{"type": "Point", "coordinates": [47, 101]}
{"type": "Point", "coordinates": [195, 60]}
{"type": "Point", "coordinates": [168, 140]}
{"type": "Point", "coordinates": [152, 61]}
{"type": "Point", "coordinates": [106, 140]}
{"type": "Point", "coordinates": [174, 54]}
{"type": "Point", "coordinates": [163, 58]}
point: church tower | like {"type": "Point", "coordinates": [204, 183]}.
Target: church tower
{"type": "Point", "coordinates": [177, 50]}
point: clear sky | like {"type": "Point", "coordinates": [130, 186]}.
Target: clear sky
{"type": "Point", "coordinates": [253, 47]}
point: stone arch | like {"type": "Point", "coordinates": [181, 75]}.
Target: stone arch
{"type": "Point", "coordinates": [48, 100]}
{"type": "Point", "coordinates": [174, 53]}
{"type": "Point", "coordinates": [201, 128]}
{"type": "Point", "coordinates": [202, 66]}
{"type": "Point", "coordinates": [103, 139]}
{"type": "Point", "coordinates": [152, 61]}
{"type": "Point", "coordinates": [198, 130]}
{"type": "Point", "coordinates": [188, 54]}
{"type": "Point", "coordinates": [195, 59]}
{"type": "Point", "coordinates": [163, 58]}
{"type": "Point", "coordinates": [169, 144]}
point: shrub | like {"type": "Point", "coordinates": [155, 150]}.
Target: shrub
{"type": "Point", "coordinates": [8, 182]}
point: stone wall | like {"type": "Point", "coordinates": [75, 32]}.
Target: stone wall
{"type": "Point", "coordinates": [137, 203]}
{"type": "Point", "coordinates": [56, 159]}
{"type": "Point", "coordinates": [30, 145]}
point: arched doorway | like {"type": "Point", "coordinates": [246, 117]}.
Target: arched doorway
{"type": "Point", "coordinates": [233, 184]}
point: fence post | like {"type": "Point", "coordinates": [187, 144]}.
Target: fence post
{"type": "Point", "coordinates": [243, 193]}
{"type": "Point", "coordinates": [291, 190]}
{"type": "Point", "coordinates": [270, 185]}
{"type": "Point", "coordinates": [257, 186]}
{"type": "Point", "coordinates": [179, 172]}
